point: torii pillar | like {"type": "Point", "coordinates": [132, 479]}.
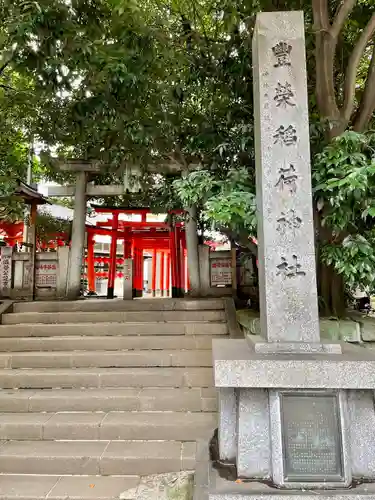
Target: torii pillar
{"type": "Point", "coordinates": [81, 169]}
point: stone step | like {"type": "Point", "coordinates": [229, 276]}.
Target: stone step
{"type": "Point", "coordinates": [96, 457]}
{"type": "Point", "coordinates": [101, 343]}
{"type": "Point", "coordinates": [113, 329]}
{"type": "Point", "coordinates": [106, 359]}
{"type": "Point", "coordinates": [174, 426]}
{"type": "Point", "coordinates": [41, 487]}
{"type": "Point", "coordinates": [193, 399]}
{"type": "Point", "coordinates": [52, 318]}
{"type": "Point", "coordinates": [120, 305]}
{"type": "Point", "coordinates": [50, 378]}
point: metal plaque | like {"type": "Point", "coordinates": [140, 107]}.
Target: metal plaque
{"type": "Point", "coordinates": [311, 436]}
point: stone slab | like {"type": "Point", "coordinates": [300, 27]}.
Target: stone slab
{"type": "Point", "coordinates": [26, 487]}
{"type": "Point", "coordinates": [209, 486]}
{"type": "Point", "coordinates": [367, 328]}
{"type": "Point", "coordinates": [179, 426]}
{"type": "Point", "coordinates": [51, 457]}
{"type": "Point", "coordinates": [342, 330]}
{"type": "Point", "coordinates": [113, 329]}
{"type": "Point", "coordinates": [296, 347]}
{"type": "Point", "coordinates": [361, 416]}
{"type": "Point", "coordinates": [141, 457]}
{"type": "Point", "coordinates": [114, 317]}
{"type": "Point", "coordinates": [254, 451]}
{"type": "Point", "coordinates": [237, 365]}
{"type": "Point", "coordinates": [106, 343]}
{"type": "Point", "coordinates": [106, 377]}
{"type": "Point", "coordinates": [108, 399]}
{"type": "Point", "coordinates": [93, 487]}
{"type": "Point", "coordinates": [107, 359]}
{"type": "Point", "coordinates": [94, 305]}
{"type": "Point", "coordinates": [227, 423]}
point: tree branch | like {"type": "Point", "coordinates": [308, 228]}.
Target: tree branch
{"type": "Point", "coordinates": [367, 105]}
{"type": "Point", "coordinates": [5, 65]}
{"type": "Point", "coordinates": [340, 17]}
{"type": "Point", "coordinates": [351, 72]}
{"type": "Point", "coordinates": [6, 87]}
{"type": "Point", "coordinates": [321, 15]}
{"type": "Point", "coordinates": [325, 46]}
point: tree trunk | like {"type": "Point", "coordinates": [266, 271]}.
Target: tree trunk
{"type": "Point", "coordinates": [339, 115]}
{"type": "Point", "coordinates": [331, 287]}
{"type": "Point", "coordinates": [192, 251]}
{"type": "Point", "coordinates": [331, 292]}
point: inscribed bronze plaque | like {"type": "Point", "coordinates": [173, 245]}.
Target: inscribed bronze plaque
{"type": "Point", "coordinates": [311, 435]}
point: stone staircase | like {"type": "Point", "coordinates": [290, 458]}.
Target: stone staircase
{"type": "Point", "coordinates": [95, 394]}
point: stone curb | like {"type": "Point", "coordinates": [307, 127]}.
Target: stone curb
{"type": "Point", "coordinates": [356, 328]}
{"type": "Point", "coordinates": [6, 306]}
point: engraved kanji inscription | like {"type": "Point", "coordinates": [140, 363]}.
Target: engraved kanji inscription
{"type": "Point", "coordinates": [289, 220]}
{"type": "Point", "coordinates": [312, 444]}
{"type": "Point", "coordinates": [288, 179]}
{"type": "Point", "coordinates": [284, 95]}
{"type": "Point", "coordinates": [290, 268]}
{"type": "Point", "coordinates": [282, 52]}
{"type": "Point", "coordinates": [286, 136]}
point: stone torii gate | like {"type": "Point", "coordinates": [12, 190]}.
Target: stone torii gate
{"type": "Point", "coordinates": [83, 170]}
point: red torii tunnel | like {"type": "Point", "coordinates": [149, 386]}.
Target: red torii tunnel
{"type": "Point", "coordinates": [167, 240]}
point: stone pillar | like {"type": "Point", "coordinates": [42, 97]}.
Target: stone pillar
{"type": "Point", "coordinates": [192, 251]}
{"type": "Point", "coordinates": [63, 258]}
{"type": "Point", "coordinates": [179, 273]}
{"type": "Point", "coordinates": [113, 258]}
{"type": "Point", "coordinates": [287, 279]}
{"type": "Point", "coordinates": [173, 254]}
{"type": "Point", "coordinates": [128, 269]}
{"type": "Point", "coordinates": [78, 237]}
{"type": "Point", "coordinates": [204, 270]}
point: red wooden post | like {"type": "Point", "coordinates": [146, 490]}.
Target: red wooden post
{"type": "Point", "coordinates": [153, 272]}
{"type": "Point", "coordinates": [134, 274]}
{"type": "Point", "coordinates": [141, 272]}
{"type": "Point", "coordinates": [168, 275]}
{"type": "Point", "coordinates": [162, 272]}
{"type": "Point", "coordinates": [138, 270]}
{"type": "Point", "coordinates": [112, 257]}
{"type": "Point", "coordinates": [90, 263]}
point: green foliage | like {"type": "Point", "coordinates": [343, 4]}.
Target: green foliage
{"type": "Point", "coordinates": [354, 259]}
{"type": "Point", "coordinates": [47, 226]}
{"type": "Point", "coordinates": [344, 177]}
{"type": "Point", "coordinates": [170, 83]}
{"type": "Point", "coordinates": [226, 203]}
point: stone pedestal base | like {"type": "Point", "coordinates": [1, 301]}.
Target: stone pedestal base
{"type": "Point", "coordinates": [269, 402]}
{"type": "Point", "coordinates": [209, 485]}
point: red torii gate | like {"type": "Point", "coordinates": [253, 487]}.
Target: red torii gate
{"type": "Point", "coordinates": [138, 236]}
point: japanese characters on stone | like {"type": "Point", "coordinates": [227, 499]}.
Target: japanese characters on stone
{"type": "Point", "coordinates": [289, 220]}
{"type": "Point", "coordinates": [282, 51]}
{"type": "Point", "coordinates": [286, 135]}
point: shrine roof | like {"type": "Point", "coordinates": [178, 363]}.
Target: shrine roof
{"type": "Point", "coordinates": [29, 194]}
